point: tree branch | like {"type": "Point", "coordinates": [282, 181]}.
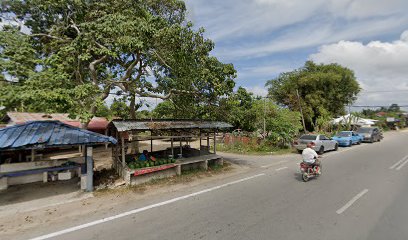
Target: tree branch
{"type": "Point", "coordinates": [163, 97]}
{"type": "Point", "coordinates": [93, 69]}
{"type": "Point", "coordinates": [47, 35]}
{"type": "Point", "coordinates": [74, 26]}
{"type": "Point", "coordinates": [130, 68]}
{"type": "Point", "coordinates": [160, 58]}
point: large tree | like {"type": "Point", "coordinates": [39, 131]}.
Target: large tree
{"type": "Point", "coordinates": [324, 91]}
{"type": "Point", "coordinates": [83, 51]}
{"type": "Point", "coordinates": [237, 109]}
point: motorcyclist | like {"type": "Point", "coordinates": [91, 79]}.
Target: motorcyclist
{"type": "Point", "coordinates": [310, 156]}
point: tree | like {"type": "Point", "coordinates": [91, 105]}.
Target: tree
{"type": "Point", "coordinates": [324, 91]}
{"type": "Point", "coordinates": [394, 108]}
{"type": "Point", "coordinates": [281, 124]}
{"type": "Point", "coordinates": [87, 49]}
{"type": "Point", "coordinates": [120, 109]}
{"type": "Point", "coordinates": [240, 111]}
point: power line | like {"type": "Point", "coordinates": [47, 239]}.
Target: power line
{"type": "Point", "coordinates": [375, 106]}
{"type": "Point", "coordinates": [384, 91]}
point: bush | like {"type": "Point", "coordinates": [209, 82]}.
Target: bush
{"type": "Point", "coordinates": [254, 146]}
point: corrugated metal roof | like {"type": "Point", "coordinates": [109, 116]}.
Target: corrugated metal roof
{"type": "Point", "coordinates": [123, 126]}
{"type": "Point", "coordinates": [45, 134]}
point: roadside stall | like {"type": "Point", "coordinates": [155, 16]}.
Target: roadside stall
{"type": "Point", "coordinates": [25, 158]}
{"type": "Point", "coordinates": [180, 155]}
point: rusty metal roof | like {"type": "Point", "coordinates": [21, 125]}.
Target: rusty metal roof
{"type": "Point", "coordinates": [96, 123]}
{"type": "Point", "coordinates": [145, 125]}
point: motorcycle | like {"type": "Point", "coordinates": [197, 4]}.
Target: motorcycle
{"type": "Point", "coordinates": [309, 172]}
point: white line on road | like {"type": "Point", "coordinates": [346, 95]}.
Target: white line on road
{"type": "Point", "coordinates": [279, 169]}
{"type": "Point", "coordinates": [399, 162]}
{"type": "Point", "coordinates": [400, 166]}
{"type": "Point", "coordinates": [273, 164]}
{"type": "Point", "coordinates": [138, 210]}
{"type": "Point", "coordinates": [353, 200]}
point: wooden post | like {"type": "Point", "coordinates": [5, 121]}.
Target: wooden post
{"type": "Point", "coordinates": [123, 151]}
{"type": "Point", "coordinates": [200, 142]}
{"type": "Point", "coordinates": [151, 142]}
{"type": "Point", "coordinates": [117, 150]}
{"type": "Point", "coordinates": [208, 142]}
{"type": "Point", "coordinates": [215, 142]}
{"type": "Point", "coordinates": [32, 155]}
{"type": "Point", "coordinates": [172, 149]}
{"type": "Point", "coordinates": [89, 169]}
{"type": "Point", "coordinates": [181, 148]}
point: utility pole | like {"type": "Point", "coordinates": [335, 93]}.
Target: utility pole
{"type": "Point", "coordinates": [301, 112]}
{"type": "Point", "coordinates": [264, 122]}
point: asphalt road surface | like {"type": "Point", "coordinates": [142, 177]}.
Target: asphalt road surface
{"type": "Point", "coordinates": [362, 194]}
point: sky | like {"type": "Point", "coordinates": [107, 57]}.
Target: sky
{"type": "Point", "coordinates": [264, 38]}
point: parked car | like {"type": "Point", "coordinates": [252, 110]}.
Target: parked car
{"type": "Point", "coordinates": [348, 138]}
{"type": "Point", "coordinates": [322, 143]}
{"type": "Point", "coordinates": [371, 134]}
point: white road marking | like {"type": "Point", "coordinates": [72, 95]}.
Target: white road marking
{"type": "Point", "coordinates": [138, 210]}
{"type": "Point", "coordinates": [400, 166]}
{"type": "Point", "coordinates": [353, 200]}
{"type": "Point", "coordinates": [273, 164]}
{"type": "Point", "coordinates": [399, 162]}
{"type": "Point", "coordinates": [279, 169]}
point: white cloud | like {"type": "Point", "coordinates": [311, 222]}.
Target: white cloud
{"type": "Point", "coordinates": [263, 71]}
{"type": "Point", "coordinates": [251, 29]}
{"type": "Point", "coordinates": [380, 67]}
{"type": "Point", "coordinates": [257, 90]}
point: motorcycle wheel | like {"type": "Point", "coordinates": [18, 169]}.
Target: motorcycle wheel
{"type": "Point", "coordinates": [305, 177]}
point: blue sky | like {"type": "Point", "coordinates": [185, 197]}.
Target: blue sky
{"type": "Point", "coordinates": [263, 38]}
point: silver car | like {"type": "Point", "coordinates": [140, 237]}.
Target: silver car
{"type": "Point", "coordinates": [322, 143]}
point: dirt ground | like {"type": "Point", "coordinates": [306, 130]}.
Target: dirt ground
{"type": "Point", "coordinates": [101, 204]}
{"type": "Point", "coordinates": [25, 207]}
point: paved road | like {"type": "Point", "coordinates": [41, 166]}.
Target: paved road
{"type": "Point", "coordinates": [362, 194]}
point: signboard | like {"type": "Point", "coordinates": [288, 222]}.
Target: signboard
{"type": "Point", "coordinates": [390, 119]}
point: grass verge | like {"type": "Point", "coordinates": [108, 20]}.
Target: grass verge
{"type": "Point", "coordinates": [254, 150]}
{"type": "Point", "coordinates": [187, 176]}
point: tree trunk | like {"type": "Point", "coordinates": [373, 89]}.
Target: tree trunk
{"type": "Point", "coordinates": [133, 106]}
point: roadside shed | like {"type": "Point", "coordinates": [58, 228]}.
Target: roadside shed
{"type": "Point", "coordinates": [166, 162]}
{"type": "Point", "coordinates": [18, 167]}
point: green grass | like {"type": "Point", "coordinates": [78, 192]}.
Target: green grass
{"type": "Point", "coordinates": [248, 149]}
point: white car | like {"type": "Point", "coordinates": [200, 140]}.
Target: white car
{"type": "Point", "coordinates": [322, 143]}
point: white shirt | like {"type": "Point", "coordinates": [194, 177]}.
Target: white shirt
{"type": "Point", "coordinates": [309, 155]}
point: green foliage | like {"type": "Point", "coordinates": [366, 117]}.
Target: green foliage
{"type": "Point", "coordinates": [324, 91]}
{"type": "Point", "coordinates": [238, 110]}
{"type": "Point", "coordinates": [120, 109]}
{"type": "Point", "coordinates": [79, 51]}
{"type": "Point", "coordinates": [165, 110]}
{"type": "Point", "coordinates": [281, 124]}
{"type": "Point", "coordinates": [254, 147]}
{"type": "Point", "coordinates": [394, 108]}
